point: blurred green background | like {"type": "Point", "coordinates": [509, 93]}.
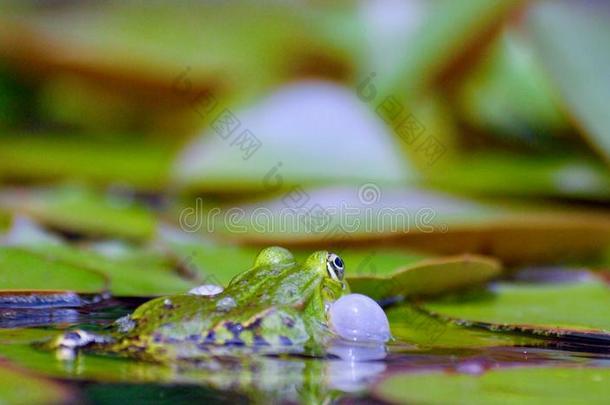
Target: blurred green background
{"type": "Point", "coordinates": [119, 119]}
{"type": "Point", "coordinates": [150, 147]}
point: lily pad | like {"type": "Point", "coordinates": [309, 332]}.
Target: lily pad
{"type": "Point", "coordinates": [416, 219]}
{"type": "Point", "coordinates": [575, 60]}
{"type": "Point", "coordinates": [210, 262]}
{"type": "Point", "coordinates": [132, 274]}
{"type": "Point", "coordinates": [412, 326]}
{"type": "Point", "coordinates": [82, 211]}
{"type": "Point", "coordinates": [83, 158]}
{"type": "Point", "coordinates": [520, 385]}
{"type": "Point", "coordinates": [428, 277]}
{"type": "Point", "coordinates": [290, 139]}
{"type": "Point", "coordinates": [24, 270]}
{"type": "Point", "coordinates": [21, 387]}
{"type": "Point", "coordinates": [552, 309]}
{"type": "Point", "coordinates": [493, 174]}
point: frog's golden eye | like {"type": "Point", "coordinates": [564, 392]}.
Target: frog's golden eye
{"type": "Point", "coordinates": [335, 267]}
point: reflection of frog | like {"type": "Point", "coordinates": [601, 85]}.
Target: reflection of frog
{"type": "Point", "coordinates": [277, 306]}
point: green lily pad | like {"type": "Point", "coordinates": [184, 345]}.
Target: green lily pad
{"type": "Point", "coordinates": [412, 326]}
{"type": "Point", "coordinates": [428, 277]}
{"type": "Point", "coordinates": [82, 211]}
{"type": "Point", "coordinates": [416, 219]}
{"type": "Point", "coordinates": [520, 385]}
{"type": "Point", "coordinates": [249, 150]}
{"type": "Point", "coordinates": [84, 158]}
{"type": "Point", "coordinates": [24, 270]}
{"type": "Point", "coordinates": [20, 387]}
{"type": "Point", "coordinates": [210, 262]}
{"type": "Point", "coordinates": [553, 309]}
{"type": "Point", "coordinates": [132, 274]}
{"type": "Point", "coordinates": [576, 61]}
{"type": "Point", "coordinates": [540, 176]}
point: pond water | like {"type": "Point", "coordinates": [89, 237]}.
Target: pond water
{"type": "Point", "coordinates": [348, 376]}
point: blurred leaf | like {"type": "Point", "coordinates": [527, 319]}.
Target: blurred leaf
{"type": "Point", "coordinates": [452, 29]}
{"type": "Point", "coordinates": [577, 60]}
{"type": "Point", "coordinates": [132, 274]}
{"type": "Point", "coordinates": [494, 174]}
{"type": "Point", "coordinates": [211, 262]}
{"type": "Point", "coordinates": [20, 387]}
{"type": "Point", "coordinates": [306, 133]}
{"type": "Point", "coordinates": [329, 218]}
{"type": "Point", "coordinates": [237, 45]}
{"type": "Point", "coordinates": [520, 385]}
{"type": "Point", "coordinates": [377, 261]}
{"type": "Point", "coordinates": [17, 102]}
{"type": "Point", "coordinates": [578, 306]}
{"type": "Point", "coordinates": [428, 277]}
{"type": "Point", "coordinates": [82, 211]}
{"type": "Point", "coordinates": [21, 269]}
{"type": "Point", "coordinates": [509, 95]}
{"type": "Point", "coordinates": [52, 157]}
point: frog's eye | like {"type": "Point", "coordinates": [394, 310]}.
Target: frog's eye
{"type": "Point", "coordinates": [335, 267]}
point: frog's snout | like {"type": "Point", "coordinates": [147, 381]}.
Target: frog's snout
{"type": "Point", "coordinates": [357, 317]}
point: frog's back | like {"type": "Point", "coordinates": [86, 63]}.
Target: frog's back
{"type": "Point", "coordinates": [259, 309]}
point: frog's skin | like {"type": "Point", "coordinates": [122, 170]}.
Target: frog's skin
{"type": "Point", "coordinates": [276, 306]}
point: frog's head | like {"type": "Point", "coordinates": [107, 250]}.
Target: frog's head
{"type": "Point", "coordinates": [330, 270]}
{"type": "Point", "coordinates": [353, 317]}
{"type": "Point", "coordinates": [318, 280]}
{"type": "Point", "coordinates": [324, 268]}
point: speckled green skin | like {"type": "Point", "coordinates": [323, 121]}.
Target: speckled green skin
{"type": "Point", "coordinates": [279, 306]}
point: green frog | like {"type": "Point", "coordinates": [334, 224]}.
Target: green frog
{"type": "Point", "coordinates": [277, 306]}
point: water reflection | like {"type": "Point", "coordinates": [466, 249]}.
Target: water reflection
{"type": "Point", "coordinates": [349, 371]}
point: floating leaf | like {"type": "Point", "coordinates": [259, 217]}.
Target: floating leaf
{"type": "Point", "coordinates": [255, 151]}
{"type": "Point", "coordinates": [133, 274]}
{"type": "Point", "coordinates": [519, 385]}
{"type": "Point", "coordinates": [412, 326]}
{"type": "Point", "coordinates": [540, 176]}
{"type": "Point", "coordinates": [20, 387]}
{"type": "Point", "coordinates": [82, 211]}
{"type": "Point", "coordinates": [40, 158]}
{"type": "Point", "coordinates": [432, 221]}
{"type": "Point", "coordinates": [553, 309]}
{"type": "Point", "coordinates": [428, 277]}
{"type": "Point", "coordinates": [210, 262]}
{"type": "Point", "coordinates": [21, 269]}
{"type": "Point", "coordinates": [576, 60]}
